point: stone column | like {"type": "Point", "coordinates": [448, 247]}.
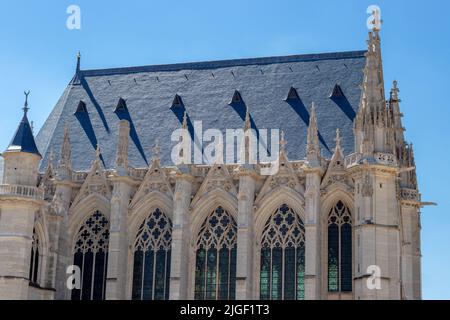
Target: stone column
{"type": "Point", "coordinates": [245, 237]}
{"type": "Point", "coordinates": [116, 279]}
{"type": "Point", "coordinates": [61, 251]}
{"type": "Point", "coordinates": [377, 243]}
{"type": "Point", "coordinates": [179, 270]}
{"type": "Point", "coordinates": [410, 252]}
{"type": "Point", "coordinates": [312, 235]}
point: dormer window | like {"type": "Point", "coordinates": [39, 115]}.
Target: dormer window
{"type": "Point", "coordinates": [237, 98]}
{"type": "Point", "coordinates": [81, 107]}
{"type": "Point", "coordinates": [121, 105]}
{"type": "Point", "coordinates": [177, 102]}
{"type": "Point", "coordinates": [292, 95]}
{"type": "Point", "coordinates": [337, 92]}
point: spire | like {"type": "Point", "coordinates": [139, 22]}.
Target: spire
{"type": "Point", "coordinates": [64, 170]}
{"type": "Point", "coordinates": [78, 61]}
{"type": "Point", "coordinates": [51, 157]}
{"type": "Point", "coordinates": [156, 153]}
{"type": "Point", "coordinates": [312, 140]}
{"type": "Point", "coordinates": [51, 160]}
{"type": "Point", "coordinates": [395, 118]}
{"type": "Point", "coordinates": [372, 114]}
{"type": "Point", "coordinates": [338, 140]}
{"type": "Point", "coordinates": [97, 153]}
{"type": "Point", "coordinates": [283, 143]}
{"type": "Point", "coordinates": [23, 140]}
{"type": "Point", "coordinates": [65, 160]}
{"type": "Point", "coordinates": [338, 154]}
{"type": "Point", "coordinates": [184, 124]}
{"type": "Point", "coordinates": [25, 105]}
{"type": "Point", "coordinates": [247, 124]}
{"type": "Point", "coordinates": [76, 80]}
{"type": "Point", "coordinates": [122, 145]}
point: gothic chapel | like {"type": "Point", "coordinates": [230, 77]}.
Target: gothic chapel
{"type": "Point", "coordinates": [96, 190]}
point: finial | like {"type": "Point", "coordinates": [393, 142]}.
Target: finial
{"type": "Point", "coordinates": [97, 152]}
{"type": "Point", "coordinates": [51, 156]}
{"type": "Point", "coordinates": [338, 138]}
{"type": "Point", "coordinates": [156, 150]}
{"type": "Point", "coordinates": [184, 125]}
{"type": "Point", "coordinates": [376, 21]}
{"type": "Point", "coordinates": [25, 106]}
{"type": "Point", "coordinates": [247, 119]}
{"type": "Point", "coordinates": [283, 142]}
{"type": "Point", "coordinates": [78, 60]}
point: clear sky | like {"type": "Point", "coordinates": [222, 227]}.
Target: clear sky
{"type": "Point", "coordinates": [37, 52]}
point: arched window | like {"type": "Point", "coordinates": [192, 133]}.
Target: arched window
{"type": "Point", "coordinates": [339, 249]}
{"type": "Point", "coordinates": [91, 256]}
{"type": "Point", "coordinates": [34, 260]}
{"type": "Point", "coordinates": [282, 274]}
{"type": "Point", "coordinates": [215, 267]}
{"type": "Point", "coordinates": [151, 271]}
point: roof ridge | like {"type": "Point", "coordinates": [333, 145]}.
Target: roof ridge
{"type": "Point", "coordinates": [215, 64]}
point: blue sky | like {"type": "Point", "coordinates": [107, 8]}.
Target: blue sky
{"type": "Point", "coordinates": [37, 52]}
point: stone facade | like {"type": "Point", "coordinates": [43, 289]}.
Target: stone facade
{"type": "Point", "coordinates": [376, 183]}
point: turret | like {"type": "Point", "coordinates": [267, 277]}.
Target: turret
{"type": "Point", "coordinates": [20, 199]}
{"type": "Point", "coordinates": [22, 156]}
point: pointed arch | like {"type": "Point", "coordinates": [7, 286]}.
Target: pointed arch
{"type": "Point", "coordinates": [337, 218]}
{"type": "Point", "coordinates": [269, 203]}
{"type": "Point", "coordinates": [282, 256]}
{"type": "Point", "coordinates": [84, 208]}
{"type": "Point", "coordinates": [139, 211]}
{"type": "Point", "coordinates": [35, 258]}
{"type": "Point", "coordinates": [215, 257]}
{"type": "Point", "coordinates": [39, 250]}
{"type": "Point", "coordinates": [151, 257]}
{"type": "Point", "coordinates": [208, 203]}
{"type": "Point", "coordinates": [90, 255]}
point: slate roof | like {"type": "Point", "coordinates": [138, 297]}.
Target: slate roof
{"type": "Point", "coordinates": [23, 139]}
{"type": "Point", "coordinates": [206, 89]}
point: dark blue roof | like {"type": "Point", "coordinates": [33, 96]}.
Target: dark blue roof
{"type": "Point", "coordinates": [23, 139]}
{"type": "Point", "coordinates": [206, 89]}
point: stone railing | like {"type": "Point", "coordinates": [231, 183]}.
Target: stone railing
{"type": "Point", "coordinates": [352, 159]}
{"type": "Point", "coordinates": [137, 173]}
{"type": "Point", "coordinates": [410, 194]}
{"type": "Point", "coordinates": [387, 159]}
{"type": "Point", "coordinates": [21, 191]}
{"type": "Point", "coordinates": [79, 176]}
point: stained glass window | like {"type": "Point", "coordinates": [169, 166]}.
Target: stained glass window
{"type": "Point", "coordinates": [339, 249]}
{"type": "Point", "coordinates": [34, 259]}
{"type": "Point", "coordinates": [282, 274]}
{"type": "Point", "coordinates": [152, 249]}
{"type": "Point", "coordinates": [215, 266]}
{"type": "Point", "coordinates": [91, 256]}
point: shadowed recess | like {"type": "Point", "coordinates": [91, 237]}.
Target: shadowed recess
{"type": "Point", "coordinates": [178, 111]}
{"type": "Point", "coordinates": [85, 122]}
{"type": "Point", "coordinates": [338, 97]}
{"type": "Point", "coordinates": [240, 108]}
{"type": "Point", "coordinates": [123, 114]}
{"type": "Point", "coordinates": [85, 86]}
{"type": "Point", "coordinates": [298, 106]}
